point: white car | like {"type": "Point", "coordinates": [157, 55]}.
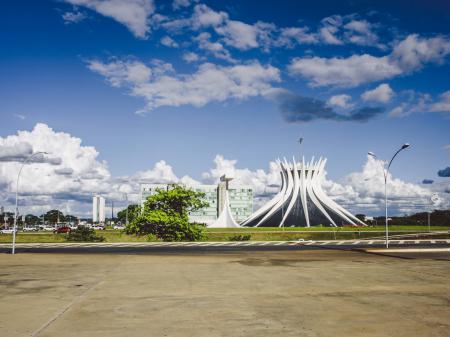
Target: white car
{"type": "Point", "coordinates": [98, 228]}
{"type": "Point", "coordinates": [30, 229]}
{"type": "Point", "coordinates": [7, 231]}
{"type": "Point", "coordinates": [120, 227]}
{"type": "Point", "coordinates": [73, 227]}
{"type": "Point", "coordinates": [48, 229]}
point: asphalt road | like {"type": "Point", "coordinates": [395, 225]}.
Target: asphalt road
{"type": "Point", "coordinates": [224, 246]}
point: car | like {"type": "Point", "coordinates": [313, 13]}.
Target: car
{"type": "Point", "coordinates": [7, 231]}
{"type": "Point", "coordinates": [73, 227]}
{"type": "Point", "coordinates": [30, 229]}
{"type": "Point", "coordinates": [48, 228]}
{"type": "Point", "coordinates": [98, 228]}
{"type": "Point", "coordinates": [62, 230]}
{"type": "Point", "coordinates": [120, 227]}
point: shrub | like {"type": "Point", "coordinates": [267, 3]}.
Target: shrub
{"type": "Point", "coordinates": [240, 237]}
{"type": "Point", "coordinates": [84, 234]}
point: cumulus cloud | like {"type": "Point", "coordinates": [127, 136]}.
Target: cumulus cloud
{"type": "Point", "coordinates": [330, 27]}
{"type": "Point", "coordinates": [81, 175]}
{"type": "Point", "coordinates": [298, 109]}
{"type": "Point", "coordinates": [190, 57]}
{"type": "Point", "coordinates": [409, 55]}
{"type": "Point", "coordinates": [342, 101]}
{"type": "Point", "coordinates": [169, 42]}
{"type": "Point", "coordinates": [215, 48]}
{"type": "Point", "coordinates": [381, 94]}
{"type": "Point", "coordinates": [134, 14]}
{"type": "Point", "coordinates": [42, 180]}
{"type": "Point", "coordinates": [209, 83]}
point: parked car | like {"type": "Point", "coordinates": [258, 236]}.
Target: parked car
{"type": "Point", "coordinates": [30, 229]}
{"type": "Point", "coordinates": [62, 230]}
{"type": "Point", "coordinates": [48, 228]}
{"type": "Point", "coordinates": [98, 228]}
{"type": "Point", "coordinates": [120, 227]}
{"type": "Point", "coordinates": [7, 231]}
{"type": "Point", "coordinates": [73, 227]}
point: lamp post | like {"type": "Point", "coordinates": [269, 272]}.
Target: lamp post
{"type": "Point", "coordinates": [386, 173]}
{"type": "Point", "coordinates": [17, 197]}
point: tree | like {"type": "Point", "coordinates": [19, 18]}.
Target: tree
{"type": "Point", "coordinates": [31, 219]}
{"type": "Point", "coordinates": [133, 212]}
{"type": "Point", "coordinates": [53, 216]}
{"type": "Point", "coordinates": [166, 215]}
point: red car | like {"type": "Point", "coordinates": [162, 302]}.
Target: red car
{"type": "Point", "coordinates": [62, 230]}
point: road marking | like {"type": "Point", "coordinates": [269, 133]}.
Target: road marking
{"type": "Point", "coordinates": [408, 250]}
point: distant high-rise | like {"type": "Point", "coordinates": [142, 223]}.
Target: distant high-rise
{"type": "Point", "coordinates": [98, 209]}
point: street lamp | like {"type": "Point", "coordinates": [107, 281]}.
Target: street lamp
{"type": "Point", "coordinates": [386, 173]}
{"type": "Point", "coordinates": [17, 197]}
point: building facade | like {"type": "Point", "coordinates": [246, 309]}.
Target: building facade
{"type": "Point", "coordinates": [301, 201]}
{"type": "Point", "coordinates": [98, 209]}
{"type": "Point", "coordinates": [240, 200]}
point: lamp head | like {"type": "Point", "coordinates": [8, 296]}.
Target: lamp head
{"type": "Point", "coordinates": [406, 145]}
{"type": "Point", "coordinates": [370, 153]}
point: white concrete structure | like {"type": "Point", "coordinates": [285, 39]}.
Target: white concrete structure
{"type": "Point", "coordinates": [225, 219]}
{"type": "Point", "coordinates": [98, 209]}
{"type": "Point", "coordinates": [301, 202]}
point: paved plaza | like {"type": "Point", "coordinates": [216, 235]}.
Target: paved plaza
{"type": "Point", "coordinates": [314, 292]}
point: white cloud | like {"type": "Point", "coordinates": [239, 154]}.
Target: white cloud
{"type": "Point", "coordinates": [169, 42]}
{"type": "Point", "coordinates": [443, 105]}
{"type": "Point", "coordinates": [417, 102]}
{"type": "Point", "coordinates": [299, 35]}
{"type": "Point", "coordinates": [178, 4]}
{"type": "Point", "coordinates": [330, 27]}
{"type": "Point", "coordinates": [447, 148]}
{"type": "Point", "coordinates": [408, 55]}
{"type": "Point", "coordinates": [191, 57]}
{"type": "Point", "coordinates": [239, 34]}
{"type": "Point", "coordinates": [361, 32]}
{"type": "Point", "coordinates": [209, 83]}
{"type": "Point", "coordinates": [81, 174]}
{"type": "Point", "coordinates": [382, 94]}
{"type": "Point", "coordinates": [204, 16]}
{"type": "Point", "coordinates": [341, 101]}
{"type": "Point", "coordinates": [134, 14]}
{"type": "Point", "coordinates": [43, 183]}
{"type": "Point", "coordinates": [343, 72]}
{"type": "Point", "coordinates": [73, 17]}
{"type": "Point", "coordinates": [215, 48]}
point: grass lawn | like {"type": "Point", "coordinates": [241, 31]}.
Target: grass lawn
{"type": "Point", "coordinates": [257, 234]}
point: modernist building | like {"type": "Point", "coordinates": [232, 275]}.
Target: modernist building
{"type": "Point", "coordinates": [98, 209]}
{"type": "Point", "coordinates": [240, 200]}
{"type": "Point", "coordinates": [301, 202]}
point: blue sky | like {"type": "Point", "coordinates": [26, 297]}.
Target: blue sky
{"type": "Point", "coordinates": [184, 81]}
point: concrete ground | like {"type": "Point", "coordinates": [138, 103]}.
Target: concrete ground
{"type": "Point", "coordinates": [253, 293]}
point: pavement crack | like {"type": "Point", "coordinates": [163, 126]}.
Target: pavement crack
{"type": "Point", "coordinates": [76, 300]}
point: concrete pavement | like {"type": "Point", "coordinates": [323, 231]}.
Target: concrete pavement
{"type": "Point", "coordinates": [306, 293]}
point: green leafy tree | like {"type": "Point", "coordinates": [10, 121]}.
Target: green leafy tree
{"type": "Point", "coordinates": [53, 216]}
{"type": "Point", "coordinates": [133, 213]}
{"type": "Point", "coordinates": [31, 219]}
{"type": "Point", "coordinates": [166, 215]}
